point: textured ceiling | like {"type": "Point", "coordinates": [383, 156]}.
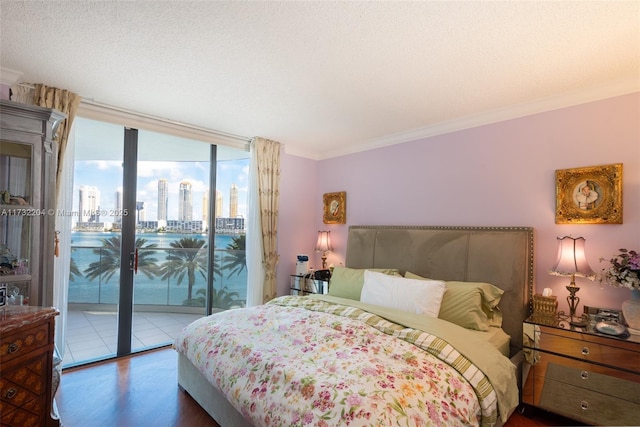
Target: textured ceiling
{"type": "Point", "coordinates": [327, 78]}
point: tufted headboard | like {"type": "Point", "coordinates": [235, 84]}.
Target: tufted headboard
{"type": "Point", "coordinates": [502, 256]}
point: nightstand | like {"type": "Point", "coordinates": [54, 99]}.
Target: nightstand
{"type": "Point", "coordinates": [302, 285]}
{"type": "Point", "coordinates": [581, 374]}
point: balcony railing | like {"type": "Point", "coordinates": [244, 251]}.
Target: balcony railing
{"type": "Point", "coordinates": [163, 276]}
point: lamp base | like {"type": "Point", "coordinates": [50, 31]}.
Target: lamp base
{"type": "Point", "coordinates": [578, 322]}
{"type": "Point", "coordinates": [324, 260]}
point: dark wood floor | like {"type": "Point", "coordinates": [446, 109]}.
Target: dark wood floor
{"type": "Point", "coordinates": [142, 390]}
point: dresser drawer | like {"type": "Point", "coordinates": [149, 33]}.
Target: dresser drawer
{"type": "Point", "coordinates": [590, 351]}
{"type": "Point", "coordinates": [30, 376]}
{"type": "Point", "coordinates": [22, 342]}
{"type": "Point", "coordinates": [24, 417]}
{"type": "Point", "coordinates": [23, 393]}
{"type": "Point", "coordinates": [588, 406]}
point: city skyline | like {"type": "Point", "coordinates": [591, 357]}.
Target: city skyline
{"type": "Point", "coordinates": [106, 176]}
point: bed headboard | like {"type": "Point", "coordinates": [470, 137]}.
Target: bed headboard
{"type": "Point", "coordinates": [502, 256]}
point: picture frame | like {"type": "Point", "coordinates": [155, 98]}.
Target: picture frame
{"type": "Point", "coordinates": [589, 195]}
{"type": "Point", "coordinates": [335, 208]}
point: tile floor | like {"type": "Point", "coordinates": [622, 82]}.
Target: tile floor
{"type": "Point", "coordinates": [91, 335]}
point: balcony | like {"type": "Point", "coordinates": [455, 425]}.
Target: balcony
{"type": "Point", "coordinates": [92, 335]}
{"type": "Point", "coordinates": [169, 293]}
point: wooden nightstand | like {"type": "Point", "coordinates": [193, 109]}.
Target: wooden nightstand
{"type": "Point", "coordinates": [581, 374]}
{"type": "Point", "coordinates": [301, 285]}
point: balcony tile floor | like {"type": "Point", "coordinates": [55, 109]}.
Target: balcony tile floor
{"type": "Point", "coordinates": [91, 335]}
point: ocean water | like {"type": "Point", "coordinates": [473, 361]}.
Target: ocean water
{"type": "Point", "coordinates": [146, 290]}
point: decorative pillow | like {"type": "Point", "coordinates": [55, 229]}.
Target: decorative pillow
{"type": "Point", "coordinates": [347, 282]}
{"type": "Point", "coordinates": [472, 305]}
{"type": "Point", "coordinates": [411, 295]}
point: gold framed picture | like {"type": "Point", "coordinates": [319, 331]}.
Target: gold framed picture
{"type": "Point", "coordinates": [335, 208]}
{"type": "Point", "coordinates": [589, 195]}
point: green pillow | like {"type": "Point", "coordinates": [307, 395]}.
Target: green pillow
{"type": "Point", "coordinates": [472, 305]}
{"type": "Point", "coordinates": [491, 296]}
{"type": "Point", "coordinates": [348, 282]}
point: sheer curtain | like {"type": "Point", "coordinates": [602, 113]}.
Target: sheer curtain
{"type": "Point", "coordinates": [61, 263]}
{"type": "Point", "coordinates": [67, 103]}
{"type": "Point", "coordinates": [262, 230]}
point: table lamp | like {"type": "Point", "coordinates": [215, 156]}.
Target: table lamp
{"type": "Point", "coordinates": [324, 245]}
{"type": "Point", "coordinates": [572, 262]}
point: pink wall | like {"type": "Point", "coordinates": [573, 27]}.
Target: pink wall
{"type": "Point", "coordinates": [495, 175]}
{"type": "Point", "coordinates": [297, 220]}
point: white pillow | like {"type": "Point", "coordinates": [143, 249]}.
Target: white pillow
{"type": "Point", "coordinates": [412, 295]}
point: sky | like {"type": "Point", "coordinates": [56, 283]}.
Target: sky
{"type": "Point", "coordinates": [99, 150]}
{"type": "Point", "coordinates": [106, 175]}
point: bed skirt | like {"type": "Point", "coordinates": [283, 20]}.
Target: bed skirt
{"type": "Point", "coordinates": [193, 382]}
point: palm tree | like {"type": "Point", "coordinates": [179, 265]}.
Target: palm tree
{"type": "Point", "coordinates": [109, 261]}
{"type": "Point", "coordinates": [186, 260]}
{"type": "Point", "coordinates": [221, 299]}
{"type": "Point", "coordinates": [236, 258]}
{"type": "Point", "coordinates": [74, 271]}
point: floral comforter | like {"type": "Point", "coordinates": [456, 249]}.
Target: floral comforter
{"type": "Point", "coordinates": [298, 361]}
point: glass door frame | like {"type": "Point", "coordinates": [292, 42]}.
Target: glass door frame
{"type": "Point", "coordinates": [128, 250]}
{"type": "Point", "coordinates": [128, 242]}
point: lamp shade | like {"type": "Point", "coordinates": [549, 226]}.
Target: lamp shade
{"type": "Point", "coordinates": [572, 259]}
{"type": "Point", "coordinates": [324, 241]}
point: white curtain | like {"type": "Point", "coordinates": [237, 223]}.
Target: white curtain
{"type": "Point", "coordinates": [66, 102]}
{"type": "Point", "coordinates": [262, 230]}
{"type": "Point", "coordinates": [255, 269]}
{"type": "Point", "coordinates": [61, 263]}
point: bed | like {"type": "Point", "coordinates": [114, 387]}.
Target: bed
{"type": "Point", "coordinates": [381, 359]}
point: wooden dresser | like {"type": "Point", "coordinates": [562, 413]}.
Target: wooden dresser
{"type": "Point", "coordinates": [26, 366]}
{"type": "Point", "coordinates": [581, 374]}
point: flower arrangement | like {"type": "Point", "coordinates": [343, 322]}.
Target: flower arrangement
{"type": "Point", "coordinates": [624, 270]}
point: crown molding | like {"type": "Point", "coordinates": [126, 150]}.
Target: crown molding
{"type": "Point", "coordinates": [508, 113]}
{"type": "Point", "coordinates": [9, 76]}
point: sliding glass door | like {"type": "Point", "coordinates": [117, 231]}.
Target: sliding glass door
{"type": "Point", "coordinates": [155, 248]}
{"type": "Point", "coordinates": [170, 220]}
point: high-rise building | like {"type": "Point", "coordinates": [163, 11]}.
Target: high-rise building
{"type": "Point", "coordinates": [89, 203]}
{"type": "Point", "coordinates": [140, 212]}
{"type": "Point", "coordinates": [163, 202]}
{"type": "Point", "coordinates": [185, 202]}
{"type": "Point", "coordinates": [118, 217]}
{"type": "Point", "coordinates": [218, 204]}
{"type": "Point", "coordinates": [205, 207]}
{"type": "Point", "coordinates": [233, 201]}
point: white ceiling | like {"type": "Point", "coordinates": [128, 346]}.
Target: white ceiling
{"type": "Point", "coordinates": [327, 78]}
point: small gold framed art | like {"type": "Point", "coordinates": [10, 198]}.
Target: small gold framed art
{"type": "Point", "coordinates": [589, 195]}
{"type": "Point", "coordinates": [335, 208]}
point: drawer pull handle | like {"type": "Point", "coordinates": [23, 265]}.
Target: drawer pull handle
{"type": "Point", "coordinates": [584, 375]}
{"type": "Point", "coordinates": [13, 347]}
{"type": "Point", "coordinates": [584, 405]}
{"type": "Point", "coordinates": [10, 394]}
{"type": "Point", "coordinates": [585, 351]}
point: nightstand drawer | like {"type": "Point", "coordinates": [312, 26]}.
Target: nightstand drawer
{"type": "Point", "coordinates": [590, 351]}
{"type": "Point", "coordinates": [604, 384]}
{"type": "Point", "coordinates": [587, 405]}
{"type": "Point", "coordinates": [18, 344]}
{"type": "Point", "coordinates": [590, 376]}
